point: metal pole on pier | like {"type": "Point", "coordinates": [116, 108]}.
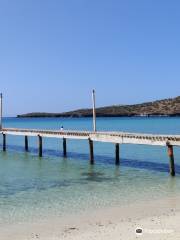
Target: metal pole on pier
{"type": "Point", "coordinates": [1, 110]}
{"type": "Point", "coordinates": [94, 110]}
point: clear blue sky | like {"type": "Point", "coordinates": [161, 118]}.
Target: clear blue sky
{"type": "Point", "coordinates": [54, 52]}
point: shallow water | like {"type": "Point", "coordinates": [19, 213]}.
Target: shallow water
{"type": "Point", "coordinates": [32, 187]}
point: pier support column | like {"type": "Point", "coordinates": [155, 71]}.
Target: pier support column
{"type": "Point", "coordinates": [4, 142]}
{"type": "Point", "coordinates": [171, 160]}
{"type": "Point", "coordinates": [26, 144]}
{"type": "Point", "coordinates": [117, 153]}
{"type": "Point", "coordinates": [64, 147]}
{"type": "Point", "coordinates": [91, 150]}
{"type": "Point", "coordinates": [40, 146]}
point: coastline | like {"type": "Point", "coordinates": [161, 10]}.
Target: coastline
{"type": "Point", "coordinates": [159, 219]}
{"type": "Point", "coordinates": [99, 116]}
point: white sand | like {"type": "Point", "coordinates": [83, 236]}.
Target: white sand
{"type": "Point", "coordinates": [159, 219]}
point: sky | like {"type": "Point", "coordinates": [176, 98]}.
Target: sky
{"type": "Point", "coordinates": [54, 52]}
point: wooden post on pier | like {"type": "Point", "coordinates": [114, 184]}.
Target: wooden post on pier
{"type": "Point", "coordinates": [1, 110]}
{"type": "Point", "coordinates": [94, 110]}
{"type": "Point", "coordinates": [117, 153]}
{"type": "Point", "coordinates": [40, 146]}
{"type": "Point", "coordinates": [171, 160]}
{"type": "Point", "coordinates": [26, 144]}
{"type": "Point", "coordinates": [64, 147]}
{"type": "Point", "coordinates": [91, 150]}
{"type": "Point", "coordinates": [4, 142]}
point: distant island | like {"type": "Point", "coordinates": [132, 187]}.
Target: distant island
{"type": "Point", "coordinates": [166, 107]}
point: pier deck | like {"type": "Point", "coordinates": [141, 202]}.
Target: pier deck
{"type": "Point", "coordinates": [111, 137]}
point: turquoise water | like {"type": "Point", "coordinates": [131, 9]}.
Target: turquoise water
{"type": "Point", "coordinates": [32, 187]}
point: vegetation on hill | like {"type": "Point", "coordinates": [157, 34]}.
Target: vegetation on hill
{"type": "Point", "coordinates": [166, 107]}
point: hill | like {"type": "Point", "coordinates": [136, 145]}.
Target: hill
{"type": "Point", "coordinates": [166, 107]}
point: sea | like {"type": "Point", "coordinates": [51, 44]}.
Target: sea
{"type": "Point", "coordinates": [53, 186]}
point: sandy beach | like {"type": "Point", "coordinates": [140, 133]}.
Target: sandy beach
{"type": "Point", "coordinates": [158, 219]}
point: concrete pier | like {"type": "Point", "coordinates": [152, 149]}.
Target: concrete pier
{"type": "Point", "coordinates": [116, 138]}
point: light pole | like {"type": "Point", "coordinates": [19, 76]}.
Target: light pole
{"type": "Point", "coordinates": [1, 110]}
{"type": "Point", "coordinates": [94, 110]}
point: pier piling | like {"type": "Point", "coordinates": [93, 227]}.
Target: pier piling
{"type": "Point", "coordinates": [94, 110]}
{"type": "Point", "coordinates": [40, 146]}
{"type": "Point", "coordinates": [171, 160]}
{"type": "Point", "coordinates": [91, 150]}
{"type": "Point", "coordinates": [64, 147]}
{"type": "Point", "coordinates": [26, 144]}
{"type": "Point", "coordinates": [4, 142]}
{"type": "Point", "coordinates": [116, 138]}
{"type": "Point", "coordinates": [1, 110]}
{"type": "Point", "coordinates": [117, 153]}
